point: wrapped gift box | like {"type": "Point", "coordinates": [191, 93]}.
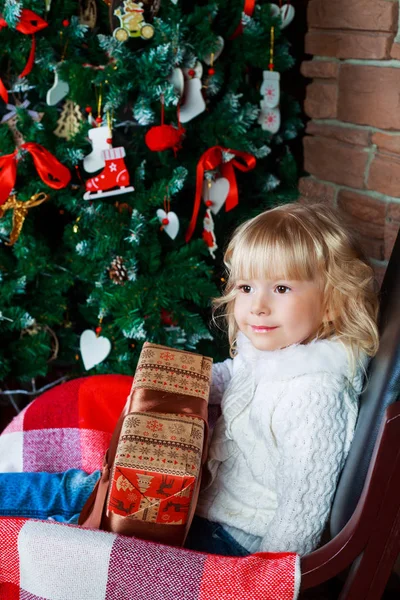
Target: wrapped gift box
{"type": "Point", "coordinates": [152, 470]}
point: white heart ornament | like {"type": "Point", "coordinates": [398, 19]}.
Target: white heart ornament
{"type": "Point", "coordinates": [219, 46]}
{"type": "Point", "coordinates": [58, 91]}
{"type": "Point", "coordinates": [217, 193]}
{"type": "Point", "coordinates": [172, 227]}
{"type": "Point", "coordinates": [93, 349]}
{"type": "Point", "coordinates": [274, 8]}
{"type": "Point", "coordinates": [287, 14]}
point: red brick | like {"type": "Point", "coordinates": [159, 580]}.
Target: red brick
{"type": "Point", "coordinates": [335, 161]}
{"type": "Point", "coordinates": [320, 69]}
{"type": "Point", "coordinates": [365, 214]}
{"type": "Point", "coordinates": [393, 212]}
{"type": "Point", "coordinates": [369, 96]}
{"type": "Point", "coordinates": [385, 141]}
{"type": "Point", "coordinates": [395, 52]}
{"type": "Point", "coordinates": [372, 247]}
{"type": "Point", "coordinates": [315, 191]}
{"type": "Point", "coordinates": [391, 232]}
{"type": "Point", "coordinates": [384, 174]}
{"type": "Point", "coordinates": [344, 44]}
{"type": "Point", "coordinates": [350, 135]}
{"type": "Point", "coordinates": [321, 100]}
{"type": "Point", "coordinates": [367, 15]}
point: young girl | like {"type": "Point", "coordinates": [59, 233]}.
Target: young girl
{"type": "Point", "coordinates": [301, 308]}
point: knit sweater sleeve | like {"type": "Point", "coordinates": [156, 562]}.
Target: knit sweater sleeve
{"type": "Point", "coordinates": [312, 431]}
{"type": "Point", "coordinates": [221, 376]}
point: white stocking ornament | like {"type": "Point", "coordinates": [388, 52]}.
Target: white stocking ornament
{"type": "Point", "coordinates": [171, 227]}
{"type": "Point", "coordinates": [94, 349]}
{"type": "Point", "coordinates": [58, 91]}
{"type": "Point", "coordinates": [193, 101]}
{"type": "Point", "coordinates": [95, 160]}
{"type": "Point", "coordinates": [177, 80]}
{"type": "Point", "coordinates": [195, 73]}
{"type": "Point", "coordinates": [215, 192]}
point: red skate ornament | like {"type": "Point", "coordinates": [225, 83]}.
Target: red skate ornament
{"type": "Point", "coordinates": [114, 178]}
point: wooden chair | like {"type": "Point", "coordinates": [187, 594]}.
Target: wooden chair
{"type": "Point", "coordinates": [365, 517]}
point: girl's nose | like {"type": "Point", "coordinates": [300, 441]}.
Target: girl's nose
{"type": "Point", "coordinates": [260, 306]}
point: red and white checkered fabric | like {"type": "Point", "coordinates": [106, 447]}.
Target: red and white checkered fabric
{"type": "Point", "coordinates": [70, 427]}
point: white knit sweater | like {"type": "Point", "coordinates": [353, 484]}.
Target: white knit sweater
{"type": "Point", "coordinates": [288, 418]}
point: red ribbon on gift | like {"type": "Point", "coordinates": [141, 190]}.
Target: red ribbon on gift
{"type": "Point", "coordinates": [248, 9]}
{"type": "Point", "coordinates": [29, 24]}
{"type": "Point", "coordinates": [211, 159]}
{"type": "Point", "coordinates": [50, 170]}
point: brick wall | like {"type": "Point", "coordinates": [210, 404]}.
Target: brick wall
{"type": "Point", "coordinates": [352, 142]}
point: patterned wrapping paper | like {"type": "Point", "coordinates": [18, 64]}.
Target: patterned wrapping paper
{"type": "Point", "coordinates": [163, 369]}
{"type": "Point", "coordinates": [44, 559]}
{"type": "Point", "coordinates": [157, 463]}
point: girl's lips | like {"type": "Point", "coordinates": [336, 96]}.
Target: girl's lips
{"type": "Point", "coordinates": [259, 328]}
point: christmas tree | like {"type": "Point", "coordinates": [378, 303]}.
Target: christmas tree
{"type": "Point", "coordinates": [134, 138]}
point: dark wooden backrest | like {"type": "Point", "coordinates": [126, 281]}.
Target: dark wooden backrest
{"type": "Point", "coordinates": [382, 390]}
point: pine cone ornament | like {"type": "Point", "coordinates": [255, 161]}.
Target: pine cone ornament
{"type": "Point", "coordinates": [117, 271]}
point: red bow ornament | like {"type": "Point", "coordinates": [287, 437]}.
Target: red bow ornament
{"type": "Point", "coordinates": [248, 9]}
{"type": "Point", "coordinates": [210, 160]}
{"type": "Point", "coordinates": [29, 24]}
{"type": "Point", "coordinates": [50, 170]}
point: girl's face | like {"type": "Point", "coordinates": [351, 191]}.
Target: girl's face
{"type": "Point", "coordinates": [274, 314]}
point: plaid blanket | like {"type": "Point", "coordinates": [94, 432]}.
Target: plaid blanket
{"type": "Point", "coordinates": [70, 426]}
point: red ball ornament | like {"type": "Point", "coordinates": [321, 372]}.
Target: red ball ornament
{"type": "Point", "coordinates": [165, 221]}
{"type": "Point", "coordinates": [208, 203]}
{"type": "Point", "coordinates": [271, 66]}
{"type": "Point", "coordinates": [162, 137]}
{"type": "Point", "coordinates": [88, 109]}
{"type": "Point", "coordinates": [99, 120]}
{"type": "Point", "coordinates": [109, 140]}
{"type": "Point", "coordinates": [98, 330]}
{"type": "Point", "coordinates": [211, 71]}
{"type": "Point", "coordinates": [65, 23]}
{"type": "Point", "coordinates": [191, 72]}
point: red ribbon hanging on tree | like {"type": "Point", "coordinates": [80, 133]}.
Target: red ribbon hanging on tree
{"type": "Point", "coordinates": [50, 170]}
{"type": "Point", "coordinates": [248, 9]}
{"type": "Point", "coordinates": [211, 159]}
{"type": "Point", "coordinates": [29, 24]}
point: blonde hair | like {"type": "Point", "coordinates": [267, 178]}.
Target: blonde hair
{"type": "Point", "coordinates": [307, 242]}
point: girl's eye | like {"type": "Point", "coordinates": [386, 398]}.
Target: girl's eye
{"type": "Point", "coordinates": [246, 289]}
{"type": "Point", "coordinates": [282, 289]}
